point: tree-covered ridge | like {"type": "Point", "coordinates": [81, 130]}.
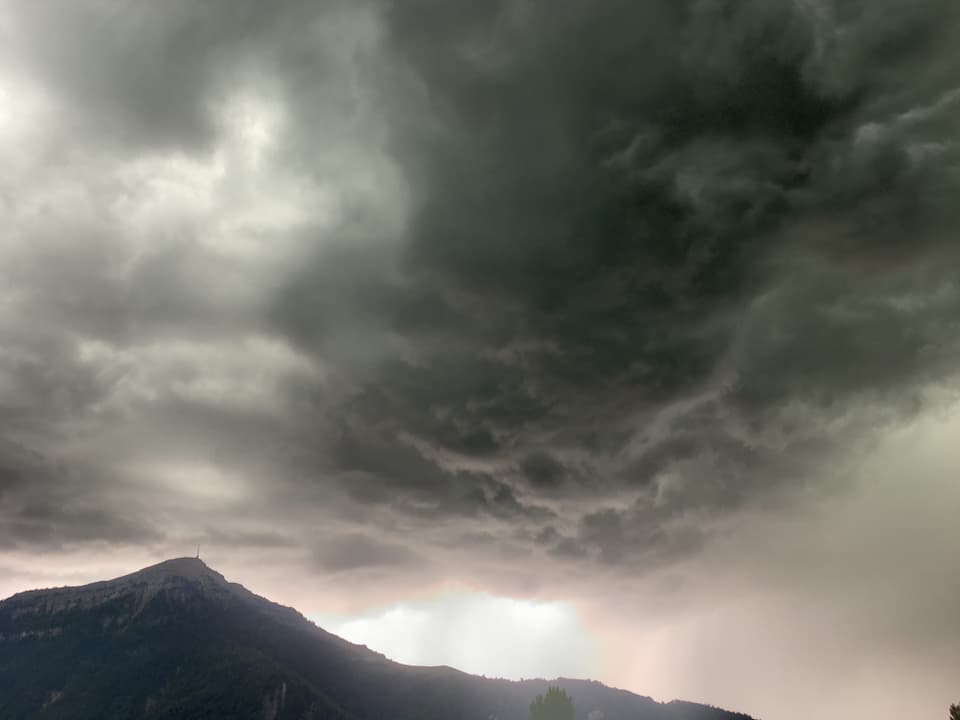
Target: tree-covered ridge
{"type": "Point", "coordinates": [555, 704]}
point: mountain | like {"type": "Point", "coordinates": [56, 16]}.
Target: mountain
{"type": "Point", "coordinates": [177, 641]}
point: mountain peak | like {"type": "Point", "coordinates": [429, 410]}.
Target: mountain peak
{"type": "Point", "coordinates": [190, 568]}
{"type": "Point", "coordinates": [182, 576]}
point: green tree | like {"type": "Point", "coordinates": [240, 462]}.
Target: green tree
{"type": "Point", "coordinates": [555, 705]}
{"type": "Point", "coordinates": [955, 712]}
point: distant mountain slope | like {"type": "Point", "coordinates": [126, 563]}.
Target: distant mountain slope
{"type": "Point", "coordinates": [177, 641]}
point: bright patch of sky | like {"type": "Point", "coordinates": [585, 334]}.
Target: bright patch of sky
{"type": "Point", "coordinates": [478, 633]}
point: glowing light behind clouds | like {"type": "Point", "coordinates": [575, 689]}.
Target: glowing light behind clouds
{"type": "Point", "coordinates": [477, 633]}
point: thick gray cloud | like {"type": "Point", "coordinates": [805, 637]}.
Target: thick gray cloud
{"type": "Point", "coordinates": [662, 247]}
{"type": "Point", "coordinates": [520, 290]}
{"type": "Point", "coordinates": [353, 551]}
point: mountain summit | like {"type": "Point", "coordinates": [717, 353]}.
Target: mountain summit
{"type": "Point", "coordinates": [168, 576]}
{"type": "Point", "coordinates": [178, 641]}
{"type": "Point", "coordinates": [189, 569]}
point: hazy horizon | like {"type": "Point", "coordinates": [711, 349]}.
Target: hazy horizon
{"type": "Point", "coordinates": [627, 329]}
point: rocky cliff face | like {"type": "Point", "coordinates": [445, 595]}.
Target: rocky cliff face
{"type": "Point", "coordinates": [177, 640]}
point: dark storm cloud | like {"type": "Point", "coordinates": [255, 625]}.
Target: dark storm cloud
{"type": "Point", "coordinates": [673, 242]}
{"type": "Point", "coordinates": [658, 248]}
{"type": "Point", "coordinates": [584, 275]}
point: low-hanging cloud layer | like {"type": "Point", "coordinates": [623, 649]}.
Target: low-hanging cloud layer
{"type": "Point", "coordinates": [613, 302]}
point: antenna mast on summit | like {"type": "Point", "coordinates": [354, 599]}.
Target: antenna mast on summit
{"type": "Point", "coordinates": [198, 552]}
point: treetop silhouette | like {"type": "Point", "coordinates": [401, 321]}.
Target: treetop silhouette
{"type": "Point", "coordinates": [554, 705]}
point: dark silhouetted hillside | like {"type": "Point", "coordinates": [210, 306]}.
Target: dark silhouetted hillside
{"type": "Point", "coordinates": [177, 641]}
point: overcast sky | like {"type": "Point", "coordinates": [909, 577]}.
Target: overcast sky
{"type": "Point", "coordinates": [638, 318]}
